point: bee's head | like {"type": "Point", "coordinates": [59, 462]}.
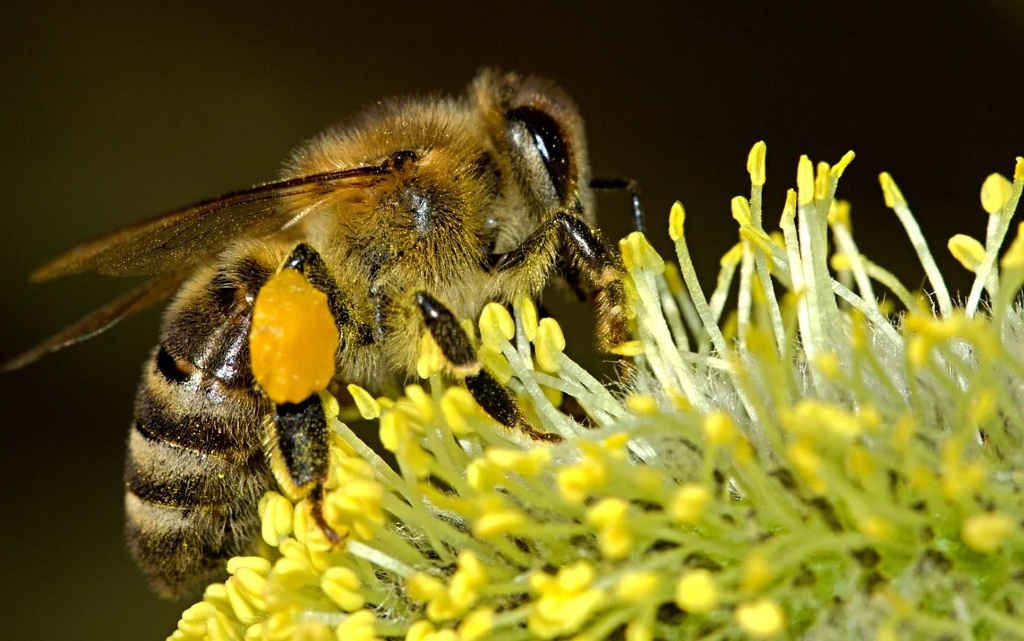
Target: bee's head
{"type": "Point", "coordinates": [539, 128]}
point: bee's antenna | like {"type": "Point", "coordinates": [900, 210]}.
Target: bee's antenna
{"type": "Point", "coordinates": [625, 184]}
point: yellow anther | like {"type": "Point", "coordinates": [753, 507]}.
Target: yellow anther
{"type": "Point", "coordinates": [293, 338]}
{"type": "Point", "coordinates": [839, 213]}
{"type": "Point", "coordinates": [629, 348]}
{"type": "Point", "coordinates": [496, 325]}
{"type": "Point", "coordinates": [359, 626]}
{"type": "Point", "coordinates": [757, 572]}
{"type": "Point", "coordinates": [418, 459]}
{"type": "Point", "coordinates": [788, 214]}
{"type": "Point", "coordinates": [576, 481]}
{"type": "Point", "coordinates": [761, 619]}
{"type": "Point", "coordinates": [329, 403]}
{"type": "Point", "coordinates": [821, 181]}
{"type": "Point", "coordinates": [637, 252]}
{"type": "Point", "coordinates": [741, 210]}
{"type": "Point", "coordinates": [805, 180]}
{"type": "Point", "coordinates": [476, 625]}
{"type": "Point", "coordinates": [256, 564]}
{"type": "Point", "coordinates": [642, 404]}
{"type": "Point", "coordinates": [875, 527]}
{"type": "Point", "coordinates": [368, 406]}
{"type": "Point", "coordinates": [483, 475]}
{"type": "Point", "coordinates": [840, 262]}
{"type": "Point", "coordinates": [341, 585]}
{"type": "Point", "coordinates": [423, 587]}
{"type": "Point", "coordinates": [689, 501]}
{"type": "Point", "coordinates": [719, 428]}
{"type": "Point", "coordinates": [575, 577]}
{"type": "Point", "coordinates": [732, 257]}
{"type": "Point", "coordinates": [420, 631]}
{"type": "Point", "coordinates": [983, 407]}
{"type": "Point", "coordinates": [893, 195]}
{"type": "Point", "coordinates": [676, 219]}
{"type": "Point", "coordinates": [528, 316]}
{"type": "Point", "coordinates": [637, 587]}
{"type": "Point", "coordinates": [805, 459]}
{"type": "Point", "coordinates": [828, 364]}
{"type": "Point", "coordinates": [457, 405]}
{"type": "Point", "coordinates": [553, 395]}
{"type": "Point", "coordinates": [967, 250]}
{"type": "Point", "coordinates": [496, 363]}
{"type": "Point", "coordinates": [564, 602]}
{"type": "Point", "coordinates": [242, 607]}
{"type": "Point", "coordinates": [995, 191]}
{"type": "Point", "coordinates": [616, 443]}
{"type": "Point", "coordinates": [549, 345]}
{"type": "Point", "coordinates": [609, 517]}
{"type": "Point", "coordinates": [986, 532]}
{"type": "Point", "coordinates": [607, 512]}
{"type": "Point", "coordinates": [756, 163]}
{"type": "Point", "coordinates": [844, 162]}
{"type": "Point", "coordinates": [421, 401]}
{"type": "Point", "coordinates": [431, 358]}
{"type": "Point", "coordinates": [276, 515]}
{"type": "Point", "coordinates": [1014, 256]}
{"type": "Point", "coordinates": [674, 279]}
{"type": "Point", "coordinates": [394, 430]}
{"type": "Point", "coordinates": [1018, 169]}
{"type": "Point", "coordinates": [696, 592]}
{"type": "Point", "coordinates": [193, 620]}
{"type": "Point", "coordinates": [498, 522]}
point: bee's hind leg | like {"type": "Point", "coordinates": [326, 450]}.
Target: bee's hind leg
{"type": "Point", "coordinates": [496, 399]}
{"type": "Point", "coordinates": [301, 437]}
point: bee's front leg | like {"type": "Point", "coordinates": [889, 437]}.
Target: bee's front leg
{"type": "Point", "coordinates": [589, 261]}
{"type": "Point", "coordinates": [496, 399]}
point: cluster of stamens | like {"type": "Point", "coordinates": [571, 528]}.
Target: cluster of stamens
{"type": "Point", "coordinates": [813, 465]}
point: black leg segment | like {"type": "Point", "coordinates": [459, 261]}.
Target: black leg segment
{"type": "Point", "coordinates": [308, 262]}
{"type": "Point", "coordinates": [303, 441]}
{"type": "Point", "coordinates": [496, 399]}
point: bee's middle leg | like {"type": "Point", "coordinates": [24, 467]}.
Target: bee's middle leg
{"type": "Point", "coordinates": [496, 399]}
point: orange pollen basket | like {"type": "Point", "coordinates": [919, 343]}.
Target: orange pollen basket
{"type": "Point", "coordinates": [293, 338]}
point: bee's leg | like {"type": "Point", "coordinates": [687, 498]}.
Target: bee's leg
{"type": "Point", "coordinates": [589, 261]}
{"type": "Point", "coordinates": [301, 437]}
{"type": "Point", "coordinates": [624, 184]}
{"type": "Point", "coordinates": [308, 262]}
{"type": "Point", "coordinates": [496, 399]}
{"type": "Point", "coordinates": [300, 432]}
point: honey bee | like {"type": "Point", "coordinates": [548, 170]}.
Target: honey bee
{"type": "Point", "coordinates": [414, 217]}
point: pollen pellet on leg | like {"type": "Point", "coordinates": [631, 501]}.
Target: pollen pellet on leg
{"type": "Point", "coordinates": [293, 338]}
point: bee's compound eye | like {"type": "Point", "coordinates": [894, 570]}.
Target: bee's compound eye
{"type": "Point", "coordinates": [536, 132]}
{"type": "Point", "coordinates": [293, 338]}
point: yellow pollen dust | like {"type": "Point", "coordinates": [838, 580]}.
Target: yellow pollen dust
{"type": "Point", "coordinates": [293, 338]}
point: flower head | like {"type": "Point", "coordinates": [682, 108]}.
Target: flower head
{"type": "Point", "coordinates": [824, 464]}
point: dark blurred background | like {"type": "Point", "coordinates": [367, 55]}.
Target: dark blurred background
{"type": "Point", "coordinates": [116, 112]}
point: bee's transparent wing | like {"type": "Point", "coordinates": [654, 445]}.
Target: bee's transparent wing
{"type": "Point", "coordinates": [146, 295]}
{"type": "Point", "coordinates": [184, 237]}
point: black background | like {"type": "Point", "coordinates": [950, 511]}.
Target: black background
{"type": "Point", "coordinates": [111, 113]}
